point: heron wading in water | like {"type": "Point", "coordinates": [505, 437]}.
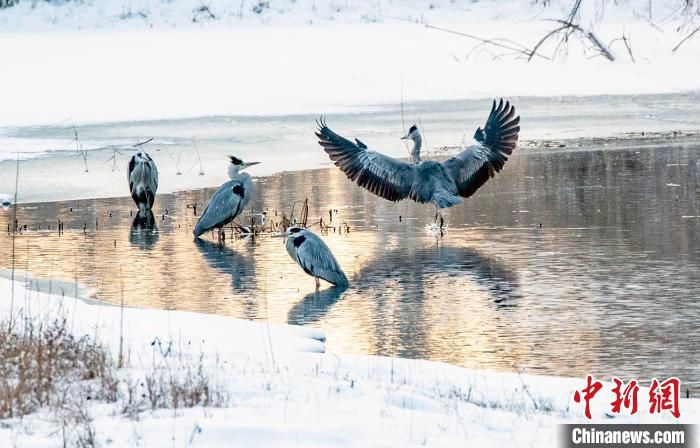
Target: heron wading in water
{"type": "Point", "coordinates": [229, 200]}
{"type": "Point", "coordinates": [442, 184]}
{"type": "Point", "coordinates": [314, 256]}
{"type": "Point", "coordinates": [143, 181]}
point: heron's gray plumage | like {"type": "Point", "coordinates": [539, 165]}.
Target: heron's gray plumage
{"type": "Point", "coordinates": [313, 255]}
{"type": "Point", "coordinates": [227, 203]}
{"type": "Point", "coordinates": [427, 181]}
{"type": "Point", "coordinates": [142, 175]}
{"type": "Point", "coordinates": [474, 166]}
{"type": "Point", "coordinates": [229, 200]}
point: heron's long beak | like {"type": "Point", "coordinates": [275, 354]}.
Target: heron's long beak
{"type": "Point", "coordinates": [245, 165]}
{"type": "Point", "coordinates": [404, 137]}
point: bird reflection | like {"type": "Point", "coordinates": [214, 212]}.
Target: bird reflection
{"type": "Point", "coordinates": [408, 283]}
{"type": "Point", "coordinates": [492, 274]}
{"type": "Point", "coordinates": [314, 306]}
{"type": "Point", "coordinates": [228, 262]}
{"type": "Point", "coordinates": [144, 232]}
{"type": "Point", "coordinates": [419, 268]}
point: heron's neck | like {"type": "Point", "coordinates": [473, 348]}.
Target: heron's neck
{"type": "Point", "coordinates": [232, 171]}
{"type": "Point", "coordinates": [415, 152]}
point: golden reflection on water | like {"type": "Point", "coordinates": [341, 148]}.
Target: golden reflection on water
{"type": "Point", "coordinates": [569, 263]}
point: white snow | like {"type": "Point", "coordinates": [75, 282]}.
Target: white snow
{"type": "Point", "coordinates": [145, 326]}
{"type": "Point", "coordinates": [282, 397]}
{"type": "Point", "coordinates": [82, 62]}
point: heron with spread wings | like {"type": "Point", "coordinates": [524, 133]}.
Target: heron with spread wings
{"type": "Point", "coordinates": [442, 184]}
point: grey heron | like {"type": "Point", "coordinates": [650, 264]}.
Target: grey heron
{"type": "Point", "coordinates": [313, 255]}
{"type": "Point", "coordinates": [229, 200]}
{"type": "Point", "coordinates": [143, 181]}
{"type": "Point", "coordinates": [443, 184]}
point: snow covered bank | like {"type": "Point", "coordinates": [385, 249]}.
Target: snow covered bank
{"type": "Point", "coordinates": [283, 398]}
{"type": "Point", "coordinates": [141, 328]}
{"type": "Point", "coordinates": [83, 62]}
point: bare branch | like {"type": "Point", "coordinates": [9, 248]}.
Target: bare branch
{"type": "Point", "coordinates": [494, 42]}
{"type": "Point", "coordinates": [685, 39]}
{"type": "Point", "coordinates": [627, 43]}
{"type": "Point", "coordinates": [143, 143]}
{"type": "Point", "coordinates": [543, 40]}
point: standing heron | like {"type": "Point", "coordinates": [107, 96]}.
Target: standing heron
{"type": "Point", "coordinates": [443, 184]}
{"type": "Point", "coordinates": [314, 256]}
{"type": "Point", "coordinates": [143, 181]}
{"type": "Point", "coordinates": [229, 200]}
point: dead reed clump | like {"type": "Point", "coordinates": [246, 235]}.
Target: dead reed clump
{"type": "Point", "coordinates": [173, 387]}
{"type": "Point", "coordinates": [42, 364]}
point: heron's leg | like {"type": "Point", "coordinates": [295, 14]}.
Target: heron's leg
{"type": "Point", "coordinates": [318, 283]}
{"type": "Point", "coordinates": [439, 220]}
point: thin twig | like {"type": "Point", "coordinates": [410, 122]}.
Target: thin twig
{"type": "Point", "coordinates": [14, 235]}
{"type": "Point", "coordinates": [494, 42]}
{"type": "Point", "coordinates": [685, 39]}
{"type": "Point", "coordinates": [542, 41]}
{"type": "Point", "coordinates": [403, 122]}
{"type": "Point", "coordinates": [628, 46]}
{"type": "Point", "coordinates": [143, 143]}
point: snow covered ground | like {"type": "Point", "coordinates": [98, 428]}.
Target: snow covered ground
{"type": "Point", "coordinates": [115, 60]}
{"type": "Point", "coordinates": [284, 391]}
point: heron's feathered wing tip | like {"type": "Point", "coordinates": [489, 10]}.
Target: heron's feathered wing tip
{"type": "Point", "coordinates": [500, 134]}
{"type": "Point", "coordinates": [321, 123]}
{"type": "Point", "coordinates": [337, 277]}
{"type": "Point", "coordinates": [341, 280]}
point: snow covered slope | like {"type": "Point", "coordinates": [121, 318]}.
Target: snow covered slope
{"type": "Point", "coordinates": [282, 397]}
{"type": "Point", "coordinates": [114, 60]}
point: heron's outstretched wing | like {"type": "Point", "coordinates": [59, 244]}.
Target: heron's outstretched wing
{"type": "Point", "coordinates": [475, 165]}
{"type": "Point", "coordinates": [380, 174]}
{"type": "Point", "coordinates": [316, 258]}
{"type": "Point", "coordinates": [224, 206]}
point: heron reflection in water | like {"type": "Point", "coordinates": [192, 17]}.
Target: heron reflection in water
{"type": "Point", "coordinates": [417, 274]}
{"type": "Point", "coordinates": [314, 306]}
{"type": "Point", "coordinates": [144, 232]}
{"type": "Point", "coordinates": [417, 268]}
{"type": "Point", "coordinates": [240, 267]}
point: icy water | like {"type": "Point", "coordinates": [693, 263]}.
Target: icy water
{"type": "Point", "coordinates": [189, 152]}
{"type": "Point", "coordinates": [570, 262]}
